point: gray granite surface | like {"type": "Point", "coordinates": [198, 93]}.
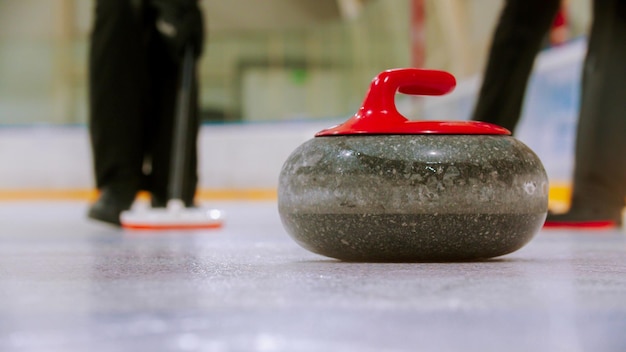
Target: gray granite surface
{"type": "Point", "coordinates": [413, 197]}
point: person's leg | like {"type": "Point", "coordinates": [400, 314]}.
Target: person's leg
{"type": "Point", "coordinates": [599, 182]}
{"type": "Point", "coordinates": [521, 29]}
{"type": "Point", "coordinates": [165, 82]}
{"type": "Point", "coordinates": [116, 85]}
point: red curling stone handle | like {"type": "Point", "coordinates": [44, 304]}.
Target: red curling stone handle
{"type": "Point", "coordinates": [378, 114]}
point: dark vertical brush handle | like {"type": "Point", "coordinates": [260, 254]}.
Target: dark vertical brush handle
{"type": "Point", "coordinates": [181, 125]}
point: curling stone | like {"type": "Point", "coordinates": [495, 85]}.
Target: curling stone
{"type": "Point", "coordinates": [383, 188]}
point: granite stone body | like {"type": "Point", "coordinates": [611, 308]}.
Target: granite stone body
{"type": "Point", "coordinates": [413, 197]}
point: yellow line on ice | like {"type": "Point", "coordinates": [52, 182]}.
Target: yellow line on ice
{"type": "Point", "coordinates": [255, 194]}
{"type": "Point", "coordinates": [559, 194]}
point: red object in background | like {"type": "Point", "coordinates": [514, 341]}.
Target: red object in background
{"type": "Point", "coordinates": [418, 35]}
{"type": "Point", "coordinates": [559, 33]}
{"type": "Point", "coordinates": [560, 19]}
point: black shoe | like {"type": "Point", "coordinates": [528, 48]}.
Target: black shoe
{"type": "Point", "coordinates": [110, 205]}
{"type": "Point", "coordinates": [585, 218]}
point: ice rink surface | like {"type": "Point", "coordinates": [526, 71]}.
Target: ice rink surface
{"type": "Point", "coordinates": [70, 284]}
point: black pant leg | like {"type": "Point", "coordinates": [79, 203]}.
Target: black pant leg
{"type": "Point", "coordinates": [600, 157]}
{"type": "Point", "coordinates": [116, 87]}
{"type": "Point", "coordinates": [521, 28]}
{"type": "Point", "coordinates": [165, 83]}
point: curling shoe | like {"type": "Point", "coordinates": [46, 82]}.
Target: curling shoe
{"type": "Point", "coordinates": [584, 219]}
{"type": "Point", "coordinates": [110, 204]}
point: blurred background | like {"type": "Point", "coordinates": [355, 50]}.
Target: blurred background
{"type": "Point", "coordinates": [266, 59]}
{"type": "Point", "coordinates": [270, 61]}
